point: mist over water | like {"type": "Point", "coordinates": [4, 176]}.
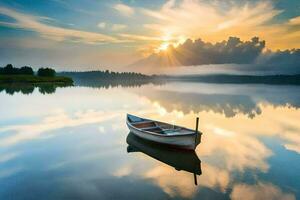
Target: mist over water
{"type": "Point", "coordinates": [73, 142]}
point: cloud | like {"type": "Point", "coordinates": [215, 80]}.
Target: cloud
{"type": "Point", "coordinates": [282, 61]}
{"type": "Point", "coordinates": [118, 27]}
{"type": "Point", "coordinates": [52, 122]}
{"type": "Point", "coordinates": [101, 25]}
{"type": "Point", "coordinates": [199, 52]}
{"type": "Point", "coordinates": [101, 129]}
{"type": "Point", "coordinates": [8, 156]}
{"type": "Point", "coordinates": [173, 183]}
{"type": "Point", "coordinates": [123, 171]}
{"type": "Point", "coordinates": [178, 183]}
{"type": "Point", "coordinates": [124, 9]}
{"type": "Point", "coordinates": [140, 37]}
{"type": "Point", "coordinates": [35, 24]}
{"type": "Point", "coordinates": [210, 21]}
{"type": "Point", "coordinates": [248, 55]}
{"type": "Point", "coordinates": [231, 51]}
{"type": "Point", "coordinates": [259, 191]}
{"type": "Point", "coordinates": [113, 27]}
{"type": "Point", "coordinates": [295, 21]}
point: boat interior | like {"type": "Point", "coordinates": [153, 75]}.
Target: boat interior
{"type": "Point", "coordinates": [156, 127]}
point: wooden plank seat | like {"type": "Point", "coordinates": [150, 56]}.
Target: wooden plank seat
{"type": "Point", "coordinates": [144, 124]}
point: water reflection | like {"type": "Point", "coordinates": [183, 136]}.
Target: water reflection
{"type": "Point", "coordinates": [44, 88]}
{"type": "Point", "coordinates": [230, 105]}
{"type": "Point", "coordinates": [77, 142]}
{"type": "Point", "coordinates": [96, 83]}
{"type": "Point", "coordinates": [229, 100]}
{"type": "Point", "coordinates": [179, 159]}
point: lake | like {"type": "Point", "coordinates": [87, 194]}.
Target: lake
{"type": "Point", "coordinates": [71, 143]}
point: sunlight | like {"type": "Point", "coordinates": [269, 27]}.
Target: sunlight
{"type": "Point", "coordinates": [164, 46]}
{"type": "Point", "coordinates": [169, 40]}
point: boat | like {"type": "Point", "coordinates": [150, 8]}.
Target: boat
{"type": "Point", "coordinates": [179, 159]}
{"type": "Point", "coordinates": [164, 133]}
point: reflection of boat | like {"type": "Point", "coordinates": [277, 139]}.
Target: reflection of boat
{"type": "Point", "coordinates": [164, 133]}
{"type": "Point", "coordinates": [180, 160]}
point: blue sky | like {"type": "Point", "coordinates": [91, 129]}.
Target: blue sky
{"type": "Point", "coordinates": [92, 34]}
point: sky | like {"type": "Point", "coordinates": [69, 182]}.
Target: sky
{"type": "Point", "coordinates": [117, 34]}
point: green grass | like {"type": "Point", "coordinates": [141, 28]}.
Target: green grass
{"type": "Point", "coordinates": [32, 79]}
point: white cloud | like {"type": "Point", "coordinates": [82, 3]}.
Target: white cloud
{"type": "Point", "coordinates": [140, 37]}
{"type": "Point", "coordinates": [34, 23]}
{"type": "Point", "coordinates": [259, 191]}
{"type": "Point", "coordinates": [178, 183]}
{"type": "Point", "coordinates": [52, 122]}
{"type": "Point", "coordinates": [124, 9]}
{"type": "Point", "coordinates": [118, 27]}
{"type": "Point", "coordinates": [123, 171]}
{"type": "Point", "coordinates": [101, 129]}
{"type": "Point", "coordinates": [101, 25]}
{"type": "Point", "coordinates": [8, 156]}
{"type": "Point", "coordinates": [295, 21]}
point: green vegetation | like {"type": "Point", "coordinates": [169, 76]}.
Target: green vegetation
{"type": "Point", "coordinates": [108, 79]}
{"type": "Point", "coordinates": [27, 88]}
{"type": "Point", "coordinates": [26, 75]}
{"type": "Point", "coordinates": [32, 79]}
{"type": "Point", "coordinates": [10, 70]}
{"type": "Point", "coordinates": [107, 75]}
{"type": "Point", "coordinates": [47, 72]}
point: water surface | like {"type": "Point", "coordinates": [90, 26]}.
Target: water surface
{"type": "Point", "coordinates": [70, 143]}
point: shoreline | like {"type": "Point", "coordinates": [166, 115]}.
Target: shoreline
{"type": "Point", "coordinates": [34, 80]}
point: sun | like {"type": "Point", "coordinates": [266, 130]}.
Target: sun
{"type": "Point", "coordinates": [163, 47]}
{"type": "Point", "coordinates": [169, 41]}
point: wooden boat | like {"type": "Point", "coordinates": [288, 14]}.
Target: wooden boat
{"type": "Point", "coordinates": [164, 133]}
{"type": "Point", "coordinates": [180, 160]}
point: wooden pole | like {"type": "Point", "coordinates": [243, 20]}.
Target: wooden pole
{"type": "Point", "coordinates": [197, 123]}
{"type": "Point", "coordinates": [195, 179]}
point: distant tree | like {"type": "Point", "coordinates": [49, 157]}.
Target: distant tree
{"type": "Point", "coordinates": [9, 69]}
{"type": "Point", "coordinates": [46, 72]}
{"type": "Point", "coordinates": [26, 70]}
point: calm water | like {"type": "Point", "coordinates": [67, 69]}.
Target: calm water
{"type": "Point", "coordinates": [70, 143]}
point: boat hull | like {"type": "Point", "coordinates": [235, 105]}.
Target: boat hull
{"type": "Point", "coordinates": [180, 141]}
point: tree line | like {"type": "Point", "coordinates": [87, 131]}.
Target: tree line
{"type": "Point", "coordinates": [9, 69]}
{"type": "Point", "coordinates": [106, 75]}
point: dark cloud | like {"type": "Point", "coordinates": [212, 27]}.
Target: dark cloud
{"type": "Point", "coordinates": [249, 54]}
{"type": "Point", "coordinates": [231, 51]}
{"type": "Point", "coordinates": [280, 61]}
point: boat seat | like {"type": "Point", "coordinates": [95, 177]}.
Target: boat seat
{"type": "Point", "coordinates": [168, 131]}
{"type": "Point", "coordinates": [156, 130]}
{"type": "Point", "coordinates": [133, 123]}
{"type": "Point", "coordinates": [146, 124]}
{"type": "Point", "coordinates": [149, 128]}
